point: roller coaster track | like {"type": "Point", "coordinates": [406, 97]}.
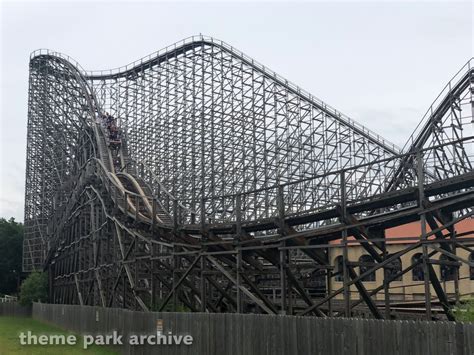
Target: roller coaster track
{"type": "Point", "coordinates": [231, 188]}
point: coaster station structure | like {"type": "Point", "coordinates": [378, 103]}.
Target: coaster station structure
{"type": "Point", "coordinates": [229, 186]}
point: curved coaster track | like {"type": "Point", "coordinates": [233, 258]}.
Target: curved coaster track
{"type": "Point", "coordinates": [229, 189]}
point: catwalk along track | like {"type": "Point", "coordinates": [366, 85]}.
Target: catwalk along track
{"type": "Point", "coordinates": [216, 185]}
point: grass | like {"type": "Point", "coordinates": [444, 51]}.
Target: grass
{"type": "Point", "coordinates": [11, 327]}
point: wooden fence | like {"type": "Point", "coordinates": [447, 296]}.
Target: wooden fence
{"type": "Point", "coordinates": [14, 309]}
{"type": "Point", "coordinates": [265, 334]}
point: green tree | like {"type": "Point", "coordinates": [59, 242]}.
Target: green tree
{"type": "Point", "coordinates": [464, 312]}
{"type": "Point", "coordinates": [34, 288]}
{"type": "Point", "coordinates": [11, 247]}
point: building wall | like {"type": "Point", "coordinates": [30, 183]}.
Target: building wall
{"type": "Point", "coordinates": [406, 289]}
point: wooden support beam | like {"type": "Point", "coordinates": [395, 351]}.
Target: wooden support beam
{"type": "Point", "coordinates": [364, 294]}
{"type": "Point", "coordinates": [264, 304]}
{"type": "Point", "coordinates": [180, 281]}
{"type": "Point", "coordinates": [440, 293]}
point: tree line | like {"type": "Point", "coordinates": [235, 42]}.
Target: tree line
{"type": "Point", "coordinates": [13, 281]}
{"type": "Point", "coordinates": [11, 248]}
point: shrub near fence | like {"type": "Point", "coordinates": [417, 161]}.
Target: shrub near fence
{"type": "Point", "coordinates": [266, 334]}
{"type": "Point", "coordinates": [14, 309]}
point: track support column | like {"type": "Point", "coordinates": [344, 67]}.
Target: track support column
{"type": "Point", "coordinates": [345, 256]}
{"type": "Point", "coordinates": [281, 220]}
{"type": "Point", "coordinates": [421, 197]}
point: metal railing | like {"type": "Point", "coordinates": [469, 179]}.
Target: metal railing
{"type": "Point", "coordinates": [466, 69]}
{"type": "Point", "coordinates": [311, 194]}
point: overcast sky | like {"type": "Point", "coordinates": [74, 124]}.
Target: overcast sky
{"type": "Point", "coordinates": [380, 63]}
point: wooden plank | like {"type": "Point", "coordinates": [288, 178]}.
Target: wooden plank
{"type": "Point", "coordinates": [317, 333]}
{"type": "Point", "coordinates": [220, 333]}
{"type": "Point", "coordinates": [451, 332]}
{"type": "Point", "coordinates": [404, 342]}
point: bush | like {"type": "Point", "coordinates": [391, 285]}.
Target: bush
{"type": "Point", "coordinates": [464, 312]}
{"type": "Point", "coordinates": [34, 288]}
